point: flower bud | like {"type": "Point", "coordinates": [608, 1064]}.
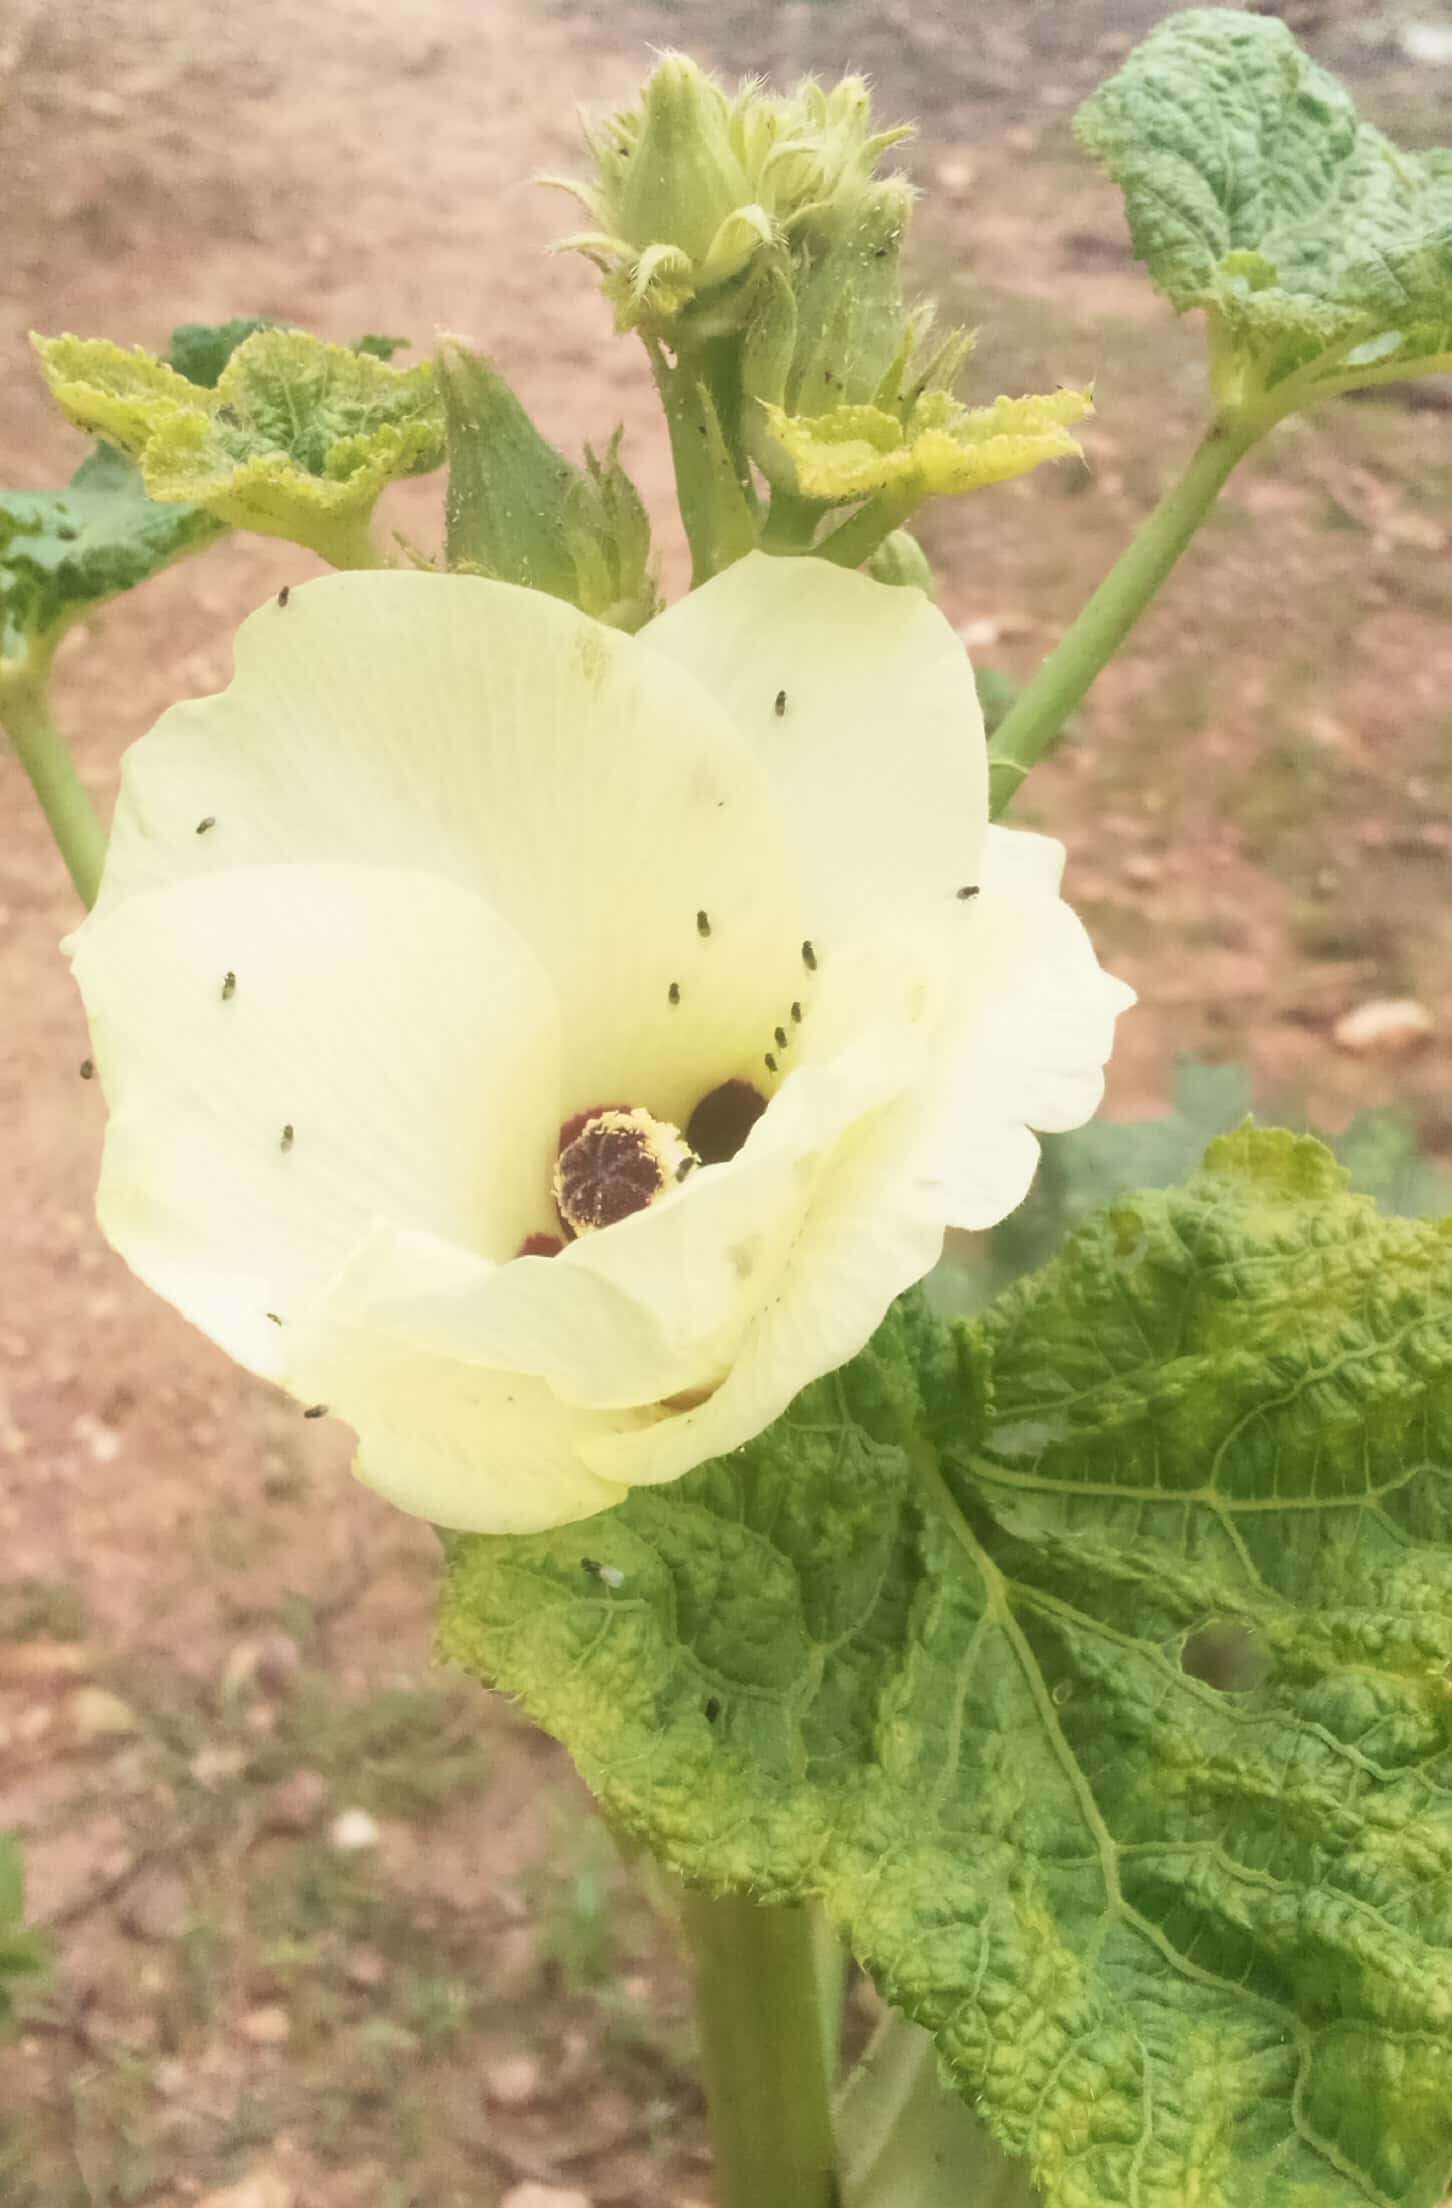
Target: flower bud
{"type": "Point", "coordinates": [901, 560]}
{"type": "Point", "coordinates": [676, 212]}
{"type": "Point", "coordinates": [519, 511]}
{"type": "Point", "coordinates": [823, 155]}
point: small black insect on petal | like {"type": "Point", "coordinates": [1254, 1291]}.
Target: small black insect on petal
{"type": "Point", "coordinates": [770, 1063]}
{"type": "Point", "coordinates": [674, 992]}
{"type": "Point", "coordinates": [288, 1137]}
{"type": "Point", "coordinates": [229, 985]}
{"type": "Point", "coordinates": [316, 1410]}
{"type": "Point", "coordinates": [685, 1169]}
{"type": "Point", "coordinates": [703, 923]}
{"type": "Point", "coordinates": [796, 1015]}
{"type": "Point", "coordinates": [88, 1069]}
{"type": "Point", "coordinates": [809, 957]}
{"type": "Point", "coordinates": [969, 889]}
{"type": "Point", "coordinates": [781, 1038]}
{"type": "Point", "coordinates": [284, 594]}
{"type": "Point", "coordinates": [203, 825]}
{"type": "Point", "coordinates": [780, 703]}
{"type": "Point", "coordinates": [273, 1316]}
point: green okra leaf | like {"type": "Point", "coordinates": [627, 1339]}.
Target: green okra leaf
{"type": "Point", "coordinates": [297, 438]}
{"type": "Point", "coordinates": [62, 553]}
{"type": "Point", "coordinates": [935, 1651]}
{"type": "Point", "coordinates": [1320, 251]}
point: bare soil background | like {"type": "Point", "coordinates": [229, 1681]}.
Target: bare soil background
{"type": "Point", "coordinates": [212, 1644]}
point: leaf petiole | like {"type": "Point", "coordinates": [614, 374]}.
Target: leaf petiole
{"type": "Point", "coordinates": [25, 714]}
{"type": "Point", "coordinates": [1037, 716]}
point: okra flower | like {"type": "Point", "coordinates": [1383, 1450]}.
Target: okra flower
{"type": "Point", "coordinates": [550, 1049]}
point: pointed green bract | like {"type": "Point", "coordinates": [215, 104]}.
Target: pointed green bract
{"type": "Point", "coordinates": [930, 1650]}
{"type": "Point", "coordinates": [62, 553]}
{"type": "Point", "coordinates": [297, 439]}
{"type": "Point", "coordinates": [1321, 252]}
{"type": "Point", "coordinates": [519, 511]}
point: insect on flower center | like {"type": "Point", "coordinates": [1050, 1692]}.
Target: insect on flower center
{"type": "Point", "coordinates": [615, 1161]}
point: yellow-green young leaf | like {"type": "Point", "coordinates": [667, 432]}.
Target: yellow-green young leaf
{"type": "Point", "coordinates": [1321, 251]}
{"type": "Point", "coordinates": [297, 439]}
{"type": "Point", "coordinates": [65, 552]}
{"type": "Point", "coordinates": [942, 447]}
{"type": "Point", "coordinates": [1089, 1665]}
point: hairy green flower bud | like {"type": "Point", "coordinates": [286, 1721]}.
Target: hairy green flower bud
{"type": "Point", "coordinates": [822, 156]}
{"type": "Point", "coordinates": [901, 560]}
{"type": "Point", "coordinates": [676, 214]}
{"type": "Point", "coordinates": [695, 192]}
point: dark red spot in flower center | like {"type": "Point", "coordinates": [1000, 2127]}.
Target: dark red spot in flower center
{"type": "Point", "coordinates": [606, 1171]}
{"type": "Point", "coordinates": [722, 1121]}
{"type": "Point", "coordinates": [540, 1245]}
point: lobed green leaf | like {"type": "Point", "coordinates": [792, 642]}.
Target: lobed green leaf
{"type": "Point", "coordinates": [62, 553]}
{"type": "Point", "coordinates": [936, 1651]}
{"type": "Point", "coordinates": [297, 438]}
{"type": "Point", "coordinates": [1320, 250]}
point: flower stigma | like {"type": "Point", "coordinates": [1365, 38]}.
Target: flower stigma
{"type": "Point", "coordinates": [616, 1161]}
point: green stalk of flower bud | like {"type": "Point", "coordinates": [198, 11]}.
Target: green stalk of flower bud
{"type": "Point", "coordinates": [719, 520]}
{"type": "Point", "coordinates": [26, 716]}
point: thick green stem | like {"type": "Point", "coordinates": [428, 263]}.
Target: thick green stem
{"type": "Point", "coordinates": [1040, 711]}
{"type": "Point", "coordinates": [758, 2001]}
{"type": "Point", "coordinates": [64, 799]}
{"type": "Point", "coordinates": [791, 523]}
{"type": "Point", "coordinates": [719, 522]}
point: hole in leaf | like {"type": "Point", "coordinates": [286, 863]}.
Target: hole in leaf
{"type": "Point", "coordinates": [1226, 1654]}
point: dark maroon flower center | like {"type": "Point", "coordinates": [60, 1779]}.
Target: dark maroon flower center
{"type": "Point", "coordinates": [611, 1168]}
{"type": "Point", "coordinates": [722, 1121]}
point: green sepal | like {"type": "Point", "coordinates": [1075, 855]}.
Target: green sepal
{"type": "Point", "coordinates": [936, 1651]}
{"type": "Point", "coordinates": [63, 553]}
{"type": "Point", "coordinates": [297, 439]}
{"type": "Point", "coordinates": [1320, 251]}
{"type": "Point", "coordinates": [518, 510]}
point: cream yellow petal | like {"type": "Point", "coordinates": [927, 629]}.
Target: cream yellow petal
{"type": "Point", "coordinates": [860, 702]}
{"type": "Point", "coordinates": [602, 802]}
{"type": "Point", "coordinates": [289, 1052]}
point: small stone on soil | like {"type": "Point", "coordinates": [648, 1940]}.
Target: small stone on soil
{"type": "Point", "coordinates": [1384, 1027]}
{"type": "Point", "coordinates": [514, 2082]}
{"type": "Point", "coordinates": [157, 1906]}
{"type": "Point", "coordinates": [544, 2196]}
{"type": "Point", "coordinates": [268, 2026]}
{"type": "Point", "coordinates": [261, 2189]}
{"type": "Point", "coordinates": [353, 1830]}
{"type": "Point", "coordinates": [296, 1803]}
{"type": "Point", "coordinates": [97, 1714]}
